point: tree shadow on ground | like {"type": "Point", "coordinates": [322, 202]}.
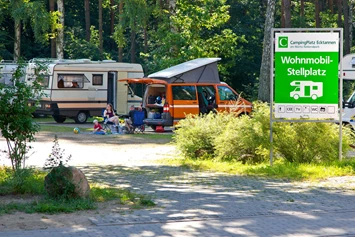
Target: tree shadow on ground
{"type": "Point", "coordinates": [182, 194]}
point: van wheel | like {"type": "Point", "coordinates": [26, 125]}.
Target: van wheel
{"type": "Point", "coordinates": [59, 119]}
{"type": "Point", "coordinates": [153, 127]}
{"type": "Point", "coordinates": [81, 117]}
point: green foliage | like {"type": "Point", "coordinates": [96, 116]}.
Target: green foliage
{"type": "Point", "coordinates": [310, 142]}
{"type": "Point", "coordinates": [195, 30]}
{"type": "Point", "coordinates": [16, 113]}
{"type": "Point", "coordinates": [78, 47]}
{"type": "Point", "coordinates": [281, 169]}
{"type": "Point", "coordinates": [224, 137]}
{"type": "Point", "coordinates": [245, 138]}
{"type": "Point", "coordinates": [23, 181]}
{"type": "Point", "coordinates": [32, 183]}
{"type": "Point", "coordinates": [195, 135]}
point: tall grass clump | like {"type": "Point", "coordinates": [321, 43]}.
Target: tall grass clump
{"type": "Point", "coordinates": [245, 138]}
{"type": "Point", "coordinates": [307, 142]}
{"type": "Point", "coordinates": [226, 137]}
{"type": "Point", "coordinates": [195, 136]}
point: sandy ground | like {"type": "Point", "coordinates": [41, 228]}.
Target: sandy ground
{"type": "Point", "coordinates": [86, 150]}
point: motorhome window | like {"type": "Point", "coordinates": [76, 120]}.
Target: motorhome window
{"type": "Point", "coordinates": [42, 80]}
{"type": "Point", "coordinates": [353, 62]}
{"type": "Point", "coordinates": [184, 92]}
{"type": "Point", "coordinates": [97, 79]}
{"type": "Point", "coordinates": [226, 94]}
{"type": "Point", "coordinates": [71, 80]}
{"type": "Point", "coordinates": [5, 78]}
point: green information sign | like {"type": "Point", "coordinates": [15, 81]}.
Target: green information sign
{"type": "Point", "coordinates": [306, 75]}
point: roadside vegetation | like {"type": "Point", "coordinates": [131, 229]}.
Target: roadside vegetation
{"type": "Point", "coordinates": [241, 145]}
{"type": "Point", "coordinates": [30, 183]}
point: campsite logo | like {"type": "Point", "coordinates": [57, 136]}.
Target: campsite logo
{"type": "Point", "coordinates": [283, 42]}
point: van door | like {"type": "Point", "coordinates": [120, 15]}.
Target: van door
{"type": "Point", "coordinates": [184, 101]}
{"type": "Point", "coordinates": [228, 100]}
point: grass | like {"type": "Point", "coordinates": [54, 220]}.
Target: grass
{"type": "Point", "coordinates": [53, 128]}
{"type": "Point", "coordinates": [279, 170]}
{"type": "Point", "coordinates": [33, 186]}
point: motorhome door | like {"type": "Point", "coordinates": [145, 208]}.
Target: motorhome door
{"type": "Point", "coordinates": [111, 85]}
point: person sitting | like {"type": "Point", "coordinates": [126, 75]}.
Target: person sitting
{"type": "Point", "coordinates": [110, 115]}
{"type": "Point", "coordinates": [98, 128]}
{"type": "Point", "coordinates": [75, 84]}
{"type": "Point", "coordinates": [129, 121]}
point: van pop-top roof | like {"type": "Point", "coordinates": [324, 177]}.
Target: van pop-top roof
{"type": "Point", "coordinates": [195, 71]}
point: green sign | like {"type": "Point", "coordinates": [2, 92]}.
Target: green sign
{"type": "Point", "coordinates": [306, 75]}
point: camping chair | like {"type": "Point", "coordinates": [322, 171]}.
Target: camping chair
{"type": "Point", "coordinates": [137, 123]}
{"type": "Point", "coordinates": [106, 123]}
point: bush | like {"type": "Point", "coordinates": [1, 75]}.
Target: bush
{"type": "Point", "coordinates": [195, 136]}
{"type": "Point", "coordinates": [310, 142]}
{"type": "Point", "coordinates": [226, 137]}
{"type": "Point", "coordinates": [245, 139]}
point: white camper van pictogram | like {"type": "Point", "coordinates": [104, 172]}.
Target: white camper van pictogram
{"type": "Point", "coordinates": [306, 89]}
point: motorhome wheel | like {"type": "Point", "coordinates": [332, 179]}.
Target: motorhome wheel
{"type": "Point", "coordinates": [81, 117]}
{"type": "Point", "coordinates": [59, 119]}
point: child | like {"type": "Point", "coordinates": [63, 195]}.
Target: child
{"type": "Point", "coordinates": [98, 128]}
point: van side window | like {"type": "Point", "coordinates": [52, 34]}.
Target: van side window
{"type": "Point", "coordinates": [97, 80]}
{"type": "Point", "coordinates": [71, 80]}
{"type": "Point", "coordinates": [226, 94]}
{"type": "Point", "coordinates": [184, 92]}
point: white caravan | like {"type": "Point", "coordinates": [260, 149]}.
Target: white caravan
{"type": "Point", "coordinates": [348, 115]}
{"type": "Point", "coordinates": [81, 88]}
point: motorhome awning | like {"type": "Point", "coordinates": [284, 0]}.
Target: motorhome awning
{"type": "Point", "coordinates": [195, 71]}
{"type": "Point", "coordinates": [143, 81]}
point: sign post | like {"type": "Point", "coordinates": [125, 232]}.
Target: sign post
{"type": "Point", "coordinates": [306, 74]}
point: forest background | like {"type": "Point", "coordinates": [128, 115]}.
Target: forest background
{"type": "Point", "coordinates": [162, 33]}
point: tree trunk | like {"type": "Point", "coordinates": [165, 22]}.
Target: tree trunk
{"type": "Point", "coordinates": [347, 27]}
{"type": "Point", "coordinates": [53, 51]}
{"type": "Point", "coordinates": [264, 78]}
{"type": "Point", "coordinates": [331, 7]}
{"type": "Point", "coordinates": [145, 40]}
{"type": "Point", "coordinates": [340, 12]}
{"type": "Point", "coordinates": [282, 14]}
{"type": "Point", "coordinates": [120, 49]}
{"type": "Point", "coordinates": [133, 46]}
{"type": "Point", "coordinates": [60, 36]}
{"type": "Point", "coordinates": [317, 14]}
{"type": "Point", "coordinates": [87, 20]}
{"type": "Point", "coordinates": [351, 23]}
{"type": "Point", "coordinates": [17, 43]}
{"type": "Point", "coordinates": [100, 28]}
{"type": "Point", "coordinates": [287, 13]}
{"type": "Point", "coordinates": [112, 21]}
{"type": "Point", "coordinates": [302, 21]}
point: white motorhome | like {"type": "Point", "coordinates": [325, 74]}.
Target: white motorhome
{"type": "Point", "coordinates": [348, 116]}
{"type": "Point", "coordinates": [81, 88]}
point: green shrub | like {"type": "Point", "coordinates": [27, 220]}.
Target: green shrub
{"type": "Point", "coordinates": [245, 138]}
{"type": "Point", "coordinates": [23, 181]}
{"type": "Point", "coordinates": [226, 137]}
{"type": "Point", "coordinates": [195, 136]}
{"type": "Point", "coordinates": [310, 142]}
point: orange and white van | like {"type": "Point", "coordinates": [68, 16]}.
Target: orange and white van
{"type": "Point", "coordinates": [192, 87]}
